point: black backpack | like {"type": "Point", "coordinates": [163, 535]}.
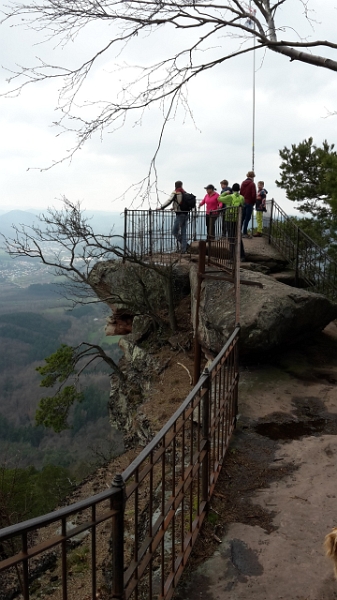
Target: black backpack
{"type": "Point", "coordinates": [188, 202]}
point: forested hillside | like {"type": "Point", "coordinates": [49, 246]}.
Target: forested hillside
{"type": "Point", "coordinates": [34, 321]}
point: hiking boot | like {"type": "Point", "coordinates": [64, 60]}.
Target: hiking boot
{"type": "Point", "coordinates": [247, 236]}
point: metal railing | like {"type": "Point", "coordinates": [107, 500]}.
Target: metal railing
{"type": "Point", "coordinates": [314, 269]}
{"type": "Point", "coordinates": [136, 537]}
{"type": "Point", "coordinates": [223, 245]}
{"type": "Point", "coordinates": [148, 235]}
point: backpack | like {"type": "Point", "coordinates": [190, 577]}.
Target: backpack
{"type": "Point", "coordinates": [188, 202]}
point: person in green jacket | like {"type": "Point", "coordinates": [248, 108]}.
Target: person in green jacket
{"type": "Point", "coordinates": [233, 200]}
{"type": "Point", "coordinates": [225, 191]}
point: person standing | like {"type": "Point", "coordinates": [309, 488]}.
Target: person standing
{"type": "Point", "coordinates": [181, 220]}
{"type": "Point", "coordinates": [260, 207]}
{"type": "Point", "coordinates": [225, 188]}
{"type": "Point", "coordinates": [248, 191]}
{"type": "Point", "coordinates": [212, 205]}
{"type": "Point", "coordinates": [233, 202]}
{"type": "Point", "coordinates": [225, 191]}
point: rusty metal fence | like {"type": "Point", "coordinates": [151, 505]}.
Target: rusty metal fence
{"type": "Point", "coordinates": [134, 539]}
{"type": "Point", "coordinates": [148, 236]}
{"type": "Point", "coordinates": [148, 233]}
{"type": "Point", "coordinates": [314, 269]}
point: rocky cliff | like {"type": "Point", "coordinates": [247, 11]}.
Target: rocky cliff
{"type": "Point", "coordinates": [158, 365]}
{"type": "Point", "coordinates": [272, 314]}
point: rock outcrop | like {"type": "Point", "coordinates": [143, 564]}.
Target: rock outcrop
{"type": "Point", "coordinates": [271, 314]}
{"type": "Point", "coordinates": [131, 289]}
{"type": "Point", "coordinates": [261, 254]}
{"type": "Point", "coordinates": [137, 297]}
{"type": "Point", "coordinates": [122, 285]}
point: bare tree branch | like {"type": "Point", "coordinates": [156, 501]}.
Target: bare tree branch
{"type": "Point", "coordinates": [65, 241]}
{"type": "Point", "coordinates": [224, 30]}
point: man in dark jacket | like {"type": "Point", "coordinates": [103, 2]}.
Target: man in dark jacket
{"type": "Point", "coordinates": [248, 191]}
{"type": "Point", "coordinates": [181, 220]}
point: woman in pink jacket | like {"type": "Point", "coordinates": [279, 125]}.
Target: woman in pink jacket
{"type": "Point", "coordinates": [212, 205]}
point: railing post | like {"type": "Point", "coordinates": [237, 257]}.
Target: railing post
{"type": "Point", "coordinates": [194, 225]}
{"type": "Point", "coordinates": [209, 250]}
{"type": "Point", "coordinates": [118, 504]}
{"type": "Point", "coordinates": [296, 258]}
{"type": "Point", "coordinates": [125, 232]}
{"type": "Point", "coordinates": [197, 345]}
{"type": "Point", "coordinates": [206, 436]}
{"type": "Point", "coordinates": [150, 231]}
{"type": "Point", "coordinates": [271, 219]}
{"type": "Point", "coordinates": [237, 376]}
{"type": "Point", "coordinates": [25, 568]}
{"type": "Point", "coordinates": [237, 261]}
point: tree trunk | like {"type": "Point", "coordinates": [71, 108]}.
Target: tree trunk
{"type": "Point", "coordinates": [168, 285]}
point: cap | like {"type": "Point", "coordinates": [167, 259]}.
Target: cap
{"type": "Point", "coordinates": [210, 186]}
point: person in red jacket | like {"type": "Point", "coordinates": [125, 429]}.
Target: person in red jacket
{"type": "Point", "coordinates": [248, 191]}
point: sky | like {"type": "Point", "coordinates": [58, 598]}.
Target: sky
{"type": "Point", "coordinates": [293, 102]}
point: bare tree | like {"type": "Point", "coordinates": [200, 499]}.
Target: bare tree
{"type": "Point", "coordinates": [65, 241]}
{"type": "Point", "coordinates": [197, 26]}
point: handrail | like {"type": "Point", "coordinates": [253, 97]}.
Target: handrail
{"type": "Point", "coordinates": [48, 518]}
{"type": "Point", "coordinates": [314, 269]}
{"type": "Point", "coordinates": [156, 507]}
{"type": "Point", "coordinates": [129, 471]}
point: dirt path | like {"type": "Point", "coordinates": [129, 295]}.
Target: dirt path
{"type": "Point", "coordinates": [276, 499]}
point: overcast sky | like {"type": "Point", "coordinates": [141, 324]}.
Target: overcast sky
{"type": "Point", "coordinates": [292, 103]}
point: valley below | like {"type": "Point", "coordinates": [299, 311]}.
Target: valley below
{"type": "Point", "coordinates": [35, 318]}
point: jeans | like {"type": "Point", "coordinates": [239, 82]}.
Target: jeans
{"type": "Point", "coordinates": [179, 229]}
{"type": "Point", "coordinates": [246, 216]}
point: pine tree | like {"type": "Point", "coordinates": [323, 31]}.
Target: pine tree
{"type": "Point", "coordinates": [309, 177]}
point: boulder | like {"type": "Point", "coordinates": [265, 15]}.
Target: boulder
{"type": "Point", "coordinates": [132, 288]}
{"type": "Point", "coordinates": [141, 327]}
{"type": "Point", "coordinates": [289, 278]}
{"type": "Point", "coordinates": [271, 315]}
{"type": "Point", "coordinates": [126, 286]}
{"type": "Point", "coordinates": [258, 251]}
